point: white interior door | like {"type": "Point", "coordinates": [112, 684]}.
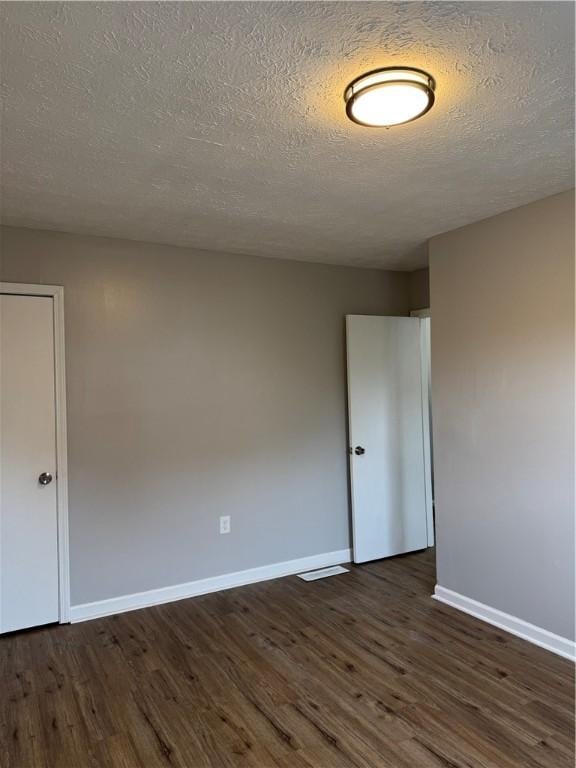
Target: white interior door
{"type": "Point", "coordinates": [387, 461]}
{"type": "Point", "coordinates": [28, 504]}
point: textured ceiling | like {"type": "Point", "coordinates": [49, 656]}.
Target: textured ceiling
{"type": "Point", "coordinates": [221, 125]}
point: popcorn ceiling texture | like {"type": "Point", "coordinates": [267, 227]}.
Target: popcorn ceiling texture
{"type": "Point", "coordinates": [221, 125]}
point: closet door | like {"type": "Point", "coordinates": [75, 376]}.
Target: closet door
{"type": "Point", "coordinates": [28, 483]}
{"type": "Point", "coordinates": [387, 459]}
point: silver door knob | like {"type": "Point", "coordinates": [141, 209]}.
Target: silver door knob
{"type": "Point", "coordinates": [45, 478]}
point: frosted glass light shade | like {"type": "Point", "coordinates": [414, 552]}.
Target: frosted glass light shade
{"type": "Point", "coordinates": [389, 97]}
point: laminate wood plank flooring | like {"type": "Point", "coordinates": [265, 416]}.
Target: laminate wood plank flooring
{"type": "Point", "coordinates": [362, 670]}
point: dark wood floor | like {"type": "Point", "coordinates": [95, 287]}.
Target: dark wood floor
{"type": "Point", "coordinates": [361, 670]}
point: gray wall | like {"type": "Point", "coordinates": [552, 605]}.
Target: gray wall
{"type": "Point", "coordinates": [420, 289]}
{"type": "Point", "coordinates": [503, 411]}
{"type": "Point", "coordinates": [199, 384]}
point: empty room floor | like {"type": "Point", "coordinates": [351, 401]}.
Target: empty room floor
{"type": "Point", "coordinates": [362, 669]}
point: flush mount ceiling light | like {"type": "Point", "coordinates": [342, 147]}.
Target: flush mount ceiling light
{"type": "Point", "coordinates": [389, 96]}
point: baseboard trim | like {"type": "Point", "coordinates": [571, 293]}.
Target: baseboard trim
{"type": "Point", "coordinates": [530, 632]}
{"type": "Point", "coordinates": [133, 602]}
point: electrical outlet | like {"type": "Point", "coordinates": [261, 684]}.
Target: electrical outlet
{"type": "Point", "coordinates": [225, 524]}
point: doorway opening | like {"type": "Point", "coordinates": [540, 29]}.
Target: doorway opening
{"type": "Point", "coordinates": [34, 568]}
{"type": "Point", "coordinates": [389, 430]}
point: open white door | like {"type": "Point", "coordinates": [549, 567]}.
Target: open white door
{"type": "Point", "coordinates": [390, 487]}
{"type": "Point", "coordinates": [29, 571]}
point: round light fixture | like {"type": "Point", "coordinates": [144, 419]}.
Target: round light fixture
{"type": "Point", "coordinates": [389, 96]}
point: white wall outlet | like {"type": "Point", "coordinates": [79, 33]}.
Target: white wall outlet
{"type": "Point", "coordinates": [225, 524]}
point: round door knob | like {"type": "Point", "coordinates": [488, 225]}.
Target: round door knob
{"type": "Point", "coordinates": [45, 478]}
{"type": "Point", "coordinates": [359, 451]}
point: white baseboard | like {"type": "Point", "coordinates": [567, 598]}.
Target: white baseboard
{"type": "Point", "coordinates": [530, 632]}
{"type": "Point", "coordinates": [132, 602]}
